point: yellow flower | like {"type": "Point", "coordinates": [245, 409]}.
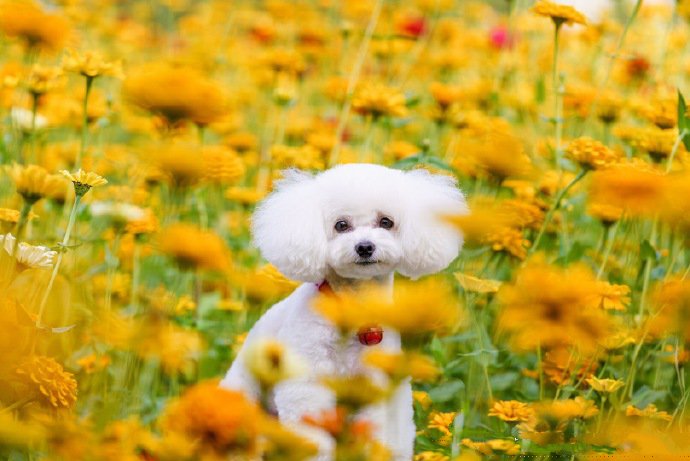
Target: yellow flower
{"type": "Point", "coordinates": [222, 422]}
{"type": "Point", "coordinates": [244, 196]}
{"type": "Point", "coordinates": [17, 433]}
{"type": "Point", "coordinates": [93, 363]}
{"type": "Point", "coordinates": [634, 187]}
{"type": "Point", "coordinates": [430, 456]}
{"type": "Point", "coordinates": [34, 182]}
{"type": "Point", "coordinates": [607, 214]}
{"type": "Point", "coordinates": [671, 301]}
{"type": "Point", "coordinates": [379, 100]}
{"type": "Point", "coordinates": [510, 240]}
{"type": "Point", "coordinates": [511, 410]}
{"type": "Point", "coordinates": [559, 13]}
{"type": "Point", "coordinates": [270, 362]}
{"type": "Point", "coordinates": [399, 365]}
{"type": "Point", "coordinates": [416, 308]}
{"type": "Point", "coordinates": [48, 381]}
{"type": "Point", "coordinates": [221, 165]}
{"type": "Point", "coordinates": [43, 79]}
{"type": "Point", "coordinates": [548, 306]}
{"type": "Point", "coordinates": [304, 157]}
{"type": "Point", "coordinates": [494, 154]}
{"type": "Point", "coordinates": [83, 181]}
{"type": "Point", "coordinates": [194, 248]}
{"type": "Point", "coordinates": [612, 297]}
{"type": "Point", "coordinates": [656, 142]}
{"type": "Point", "coordinates": [441, 421]}
{"type": "Point", "coordinates": [604, 385]}
{"type": "Point", "coordinates": [282, 444]}
{"type": "Point", "coordinates": [476, 285]}
{"type": "Point", "coordinates": [422, 398]}
{"type": "Point", "coordinates": [591, 154]}
{"type": "Point", "coordinates": [25, 19]}
{"type": "Point", "coordinates": [354, 392]}
{"type": "Point", "coordinates": [90, 64]}
{"type": "Point", "coordinates": [176, 94]}
{"type": "Point", "coordinates": [650, 411]}
{"type": "Point", "coordinates": [493, 446]}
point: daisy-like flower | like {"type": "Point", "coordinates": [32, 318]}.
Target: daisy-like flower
{"type": "Point", "coordinates": [43, 79]}
{"type": "Point", "coordinates": [511, 410]}
{"type": "Point", "coordinates": [612, 297]}
{"type": "Point", "coordinates": [90, 64]}
{"type": "Point", "coordinates": [49, 383]}
{"type": "Point", "coordinates": [33, 257]}
{"type": "Point", "coordinates": [34, 182]}
{"type": "Point", "coordinates": [399, 365]}
{"type": "Point", "coordinates": [510, 240]}
{"type": "Point", "coordinates": [194, 248]}
{"type": "Point", "coordinates": [604, 385]}
{"type": "Point", "coordinates": [27, 21]}
{"type": "Point", "coordinates": [379, 100]}
{"type": "Point", "coordinates": [271, 362]}
{"type": "Point", "coordinates": [591, 154]}
{"type": "Point", "coordinates": [650, 411]}
{"type": "Point", "coordinates": [83, 181]}
{"type": "Point", "coordinates": [559, 14]}
{"type": "Point", "coordinates": [222, 422]}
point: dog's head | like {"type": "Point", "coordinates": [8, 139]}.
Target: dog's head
{"type": "Point", "coordinates": [360, 221]}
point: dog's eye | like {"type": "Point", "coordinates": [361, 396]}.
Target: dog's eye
{"type": "Point", "coordinates": [386, 223]}
{"type": "Point", "coordinates": [341, 226]}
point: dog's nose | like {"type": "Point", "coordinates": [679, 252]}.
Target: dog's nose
{"type": "Point", "coordinates": [365, 249]}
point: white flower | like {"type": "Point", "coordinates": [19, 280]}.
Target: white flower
{"type": "Point", "coordinates": [28, 256]}
{"type": "Point", "coordinates": [22, 118]}
{"type": "Point", "coordinates": [118, 211]}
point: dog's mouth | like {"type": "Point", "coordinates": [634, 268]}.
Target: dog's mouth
{"type": "Point", "coordinates": [366, 262]}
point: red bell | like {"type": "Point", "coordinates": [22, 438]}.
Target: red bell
{"type": "Point", "coordinates": [370, 336]}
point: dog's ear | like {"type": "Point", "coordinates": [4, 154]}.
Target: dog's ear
{"type": "Point", "coordinates": [288, 228]}
{"type": "Point", "coordinates": [429, 244]}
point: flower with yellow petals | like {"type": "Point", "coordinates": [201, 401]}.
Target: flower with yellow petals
{"type": "Point", "coordinates": [378, 100]}
{"type": "Point", "coordinates": [511, 411]}
{"type": "Point", "coordinates": [34, 182]}
{"type": "Point", "coordinates": [604, 385]}
{"type": "Point", "coordinates": [270, 362]}
{"type": "Point", "coordinates": [28, 21]}
{"type": "Point", "coordinates": [194, 248]}
{"type": "Point", "coordinates": [43, 79]}
{"type": "Point", "coordinates": [222, 422]}
{"type": "Point", "coordinates": [399, 365]}
{"type": "Point", "coordinates": [612, 297]}
{"type": "Point", "coordinates": [558, 13]}
{"type": "Point", "coordinates": [650, 411]}
{"type": "Point", "coordinates": [83, 181]}
{"type": "Point", "coordinates": [48, 382]}
{"type": "Point", "coordinates": [591, 154]}
{"type": "Point", "coordinates": [476, 285]}
{"type": "Point", "coordinates": [90, 64]}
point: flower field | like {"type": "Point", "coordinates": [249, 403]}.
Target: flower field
{"type": "Point", "coordinates": [136, 138]}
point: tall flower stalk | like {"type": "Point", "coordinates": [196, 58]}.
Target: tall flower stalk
{"type": "Point", "coordinates": [83, 182]}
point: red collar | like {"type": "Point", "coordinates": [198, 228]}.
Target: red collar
{"type": "Point", "coordinates": [368, 335]}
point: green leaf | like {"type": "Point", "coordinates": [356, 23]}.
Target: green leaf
{"type": "Point", "coordinates": [682, 109]}
{"type": "Point", "coordinates": [447, 391]}
{"type": "Point", "coordinates": [409, 162]}
{"type": "Point", "coordinates": [645, 395]}
{"type": "Point", "coordinates": [438, 163]}
{"type": "Point", "coordinates": [503, 381]}
{"type": "Point", "coordinates": [647, 251]}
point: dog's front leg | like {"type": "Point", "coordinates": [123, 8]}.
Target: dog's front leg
{"type": "Point", "coordinates": [400, 413]}
{"type": "Point", "coordinates": [297, 398]}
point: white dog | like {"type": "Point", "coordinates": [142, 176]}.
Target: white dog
{"type": "Point", "coordinates": [352, 223]}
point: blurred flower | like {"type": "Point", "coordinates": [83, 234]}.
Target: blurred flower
{"type": "Point", "coordinates": [650, 411]}
{"type": "Point", "coordinates": [43, 79]}
{"type": "Point", "coordinates": [604, 385]}
{"type": "Point", "coordinates": [636, 189]}
{"type": "Point", "coordinates": [221, 422]}
{"type": "Point", "coordinates": [194, 248]}
{"type": "Point", "coordinates": [511, 411]}
{"type": "Point", "coordinates": [26, 20]}
{"type": "Point", "coordinates": [563, 366]}
{"type": "Point", "coordinates": [221, 165]}
{"type": "Point", "coordinates": [557, 313]}
{"type": "Point", "coordinates": [34, 182]}
{"type": "Point", "coordinates": [399, 365]}
{"type": "Point", "coordinates": [93, 363]}
{"type": "Point", "coordinates": [441, 422]}
{"type": "Point", "coordinates": [179, 162]}
{"type": "Point", "coordinates": [175, 93]}
{"type": "Point", "coordinates": [48, 382]}
{"type": "Point", "coordinates": [558, 13]}
{"type": "Point", "coordinates": [379, 100]}
{"type": "Point", "coordinates": [282, 444]}
{"type": "Point", "coordinates": [17, 433]}
{"type": "Point", "coordinates": [510, 240]}
{"type": "Point", "coordinates": [494, 446]}
{"type": "Point", "coordinates": [90, 64]}
{"type": "Point", "coordinates": [612, 297]}
{"type": "Point", "coordinates": [607, 214]}
{"type": "Point", "coordinates": [591, 154]}
{"type": "Point", "coordinates": [270, 362]}
{"type": "Point", "coordinates": [671, 301]}
{"type": "Point", "coordinates": [354, 392]}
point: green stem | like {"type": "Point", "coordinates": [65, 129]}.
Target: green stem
{"type": "Point", "coordinates": [65, 240]}
{"type": "Point", "coordinates": [21, 223]}
{"type": "Point", "coordinates": [647, 271]}
{"type": "Point", "coordinates": [554, 207]}
{"type": "Point", "coordinates": [85, 123]}
{"type": "Point", "coordinates": [611, 235]}
{"type": "Point", "coordinates": [676, 145]}
{"type": "Point", "coordinates": [558, 115]}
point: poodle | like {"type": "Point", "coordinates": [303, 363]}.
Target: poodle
{"type": "Point", "coordinates": [346, 225]}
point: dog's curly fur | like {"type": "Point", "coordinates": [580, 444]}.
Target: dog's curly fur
{"type": "Point", "coordinates": [295, 229]}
